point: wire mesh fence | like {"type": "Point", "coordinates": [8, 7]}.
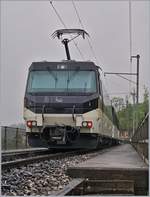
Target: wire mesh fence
{"type": "Point", "coordinates": [13, 138]}
{"type": "Point", "coordinates": [140, 139]}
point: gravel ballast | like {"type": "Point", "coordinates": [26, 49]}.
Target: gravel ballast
{"type": "Point", "coordinates": [42, 178]}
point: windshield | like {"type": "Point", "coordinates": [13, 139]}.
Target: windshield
{"type": "Point", "coordinates": [62, 81]}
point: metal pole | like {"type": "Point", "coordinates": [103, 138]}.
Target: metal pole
{"type": "Point", "coordinates": [137, 79]}
{"type": "Point", "coordinates": [134, 96]}
{"type": "Point", "coordinates": [65, 42]}
{"type": "Point", "coordinates": [16, 138]}
{"type": "Point", "coordinates": [127, 117]}
{"type": "Point", "coordinates": [137, 91]}
{"type": "Point", "coordinates": [5, 138]}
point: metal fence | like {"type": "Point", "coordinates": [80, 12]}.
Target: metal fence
{"type": "Point", "coordinates": [140, 138]}
{"type": "Point", "coordinates": [13, 138]}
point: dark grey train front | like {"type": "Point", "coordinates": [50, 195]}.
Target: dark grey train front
{"type": "Point", "coordinates": [64, 106]}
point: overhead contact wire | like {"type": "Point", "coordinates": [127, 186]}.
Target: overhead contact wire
{"type": "Point", "coordinates": [80, 21]}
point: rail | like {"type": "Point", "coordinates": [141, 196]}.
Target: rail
{"type": "Point", "coordinates": [9, 155]}
{"type": "Point", "coordinates": [44, 156]}
{"type": "Point", "coordinates": [140, 138]}
{"type": "Point", "coordinates": [13, 138]}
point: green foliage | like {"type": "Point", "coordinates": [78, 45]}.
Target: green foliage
{"type": "Point", "coordinates": [133, 113]}
{"type": "Point", "coordinates": [146, 100]}
{"type": "Point", "coordinates": [126, 116]}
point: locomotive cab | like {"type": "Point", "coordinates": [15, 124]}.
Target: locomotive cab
{"type": "Point", "coordinates": [58, 98]}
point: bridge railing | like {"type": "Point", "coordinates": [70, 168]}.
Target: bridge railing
{"type": "Point", "coordinates": [13, 138]}
{"type": "Point", "coordinates": [140, 138]}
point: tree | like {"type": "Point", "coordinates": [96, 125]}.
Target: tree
{"type": "Point", "coordinates": [146, 99]}
{"type": "Point", "coordinates": [125, 115]}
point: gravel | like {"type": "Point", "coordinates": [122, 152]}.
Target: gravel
{"type": "Point", "coordinates": [42, 178]}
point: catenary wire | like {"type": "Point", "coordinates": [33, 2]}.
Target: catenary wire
{"type": "Point", "coordinates": [119, 93]}
{"type": "Point", "coordinates": [126, 79]}
{"type": "Point", "coordinates": [89, 42]}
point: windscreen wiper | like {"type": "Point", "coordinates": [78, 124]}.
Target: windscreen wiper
{"type": "Point", "coordinates": [53, 75]}
{"type": "Point", "coordinates": [43, 111]}
{"type": "Point", "coordinates": [85, 86]}
{"type": "Point", "coordinates": [72, 76]}
{"type": "Point", "coordinates": [73, 112]}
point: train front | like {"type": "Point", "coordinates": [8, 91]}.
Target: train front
{"type": "Point", "coordinates": [60, 104]}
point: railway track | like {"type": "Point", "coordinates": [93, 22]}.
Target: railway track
{"type": "Point", "coordinates": [45, 174]}
{"type": "Point", "coordinates": [31, 158]}
{"type": "Point", "coordinates": [41, 175]}
{"type": "Point", "coordinates": [22, 153]}
{"type": "Point", "coordinates": [8, 156]}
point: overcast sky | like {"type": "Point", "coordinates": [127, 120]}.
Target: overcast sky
{"type": "Point", "coordinates": [26, 28]}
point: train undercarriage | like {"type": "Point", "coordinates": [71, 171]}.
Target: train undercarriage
{"type": "Point", "coordinates": [65, 137]}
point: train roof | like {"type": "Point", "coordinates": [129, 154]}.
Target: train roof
{"type": "Point", "coordinates": [71, 65]}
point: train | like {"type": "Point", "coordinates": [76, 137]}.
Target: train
{"type": "Point", "coordinates": [66, 104]}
